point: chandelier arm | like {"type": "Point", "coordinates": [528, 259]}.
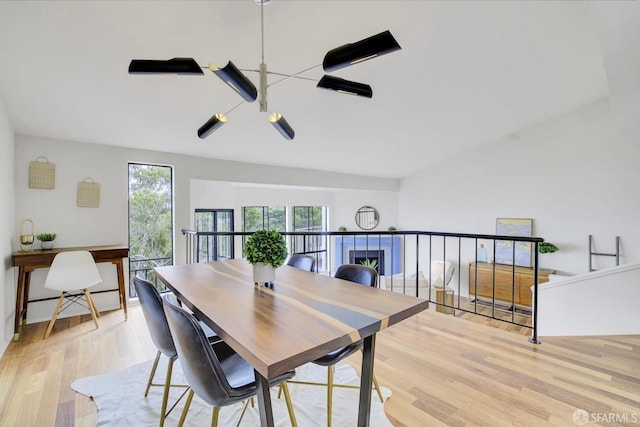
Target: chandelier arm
{"type": "Point", "coordinates": [235, 106]}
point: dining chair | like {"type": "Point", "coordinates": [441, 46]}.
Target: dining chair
{"type": "Point", "coordinates": [151, 303]}
{"type": "Point", "coordinates": [362, 275]}
{"type": "Point", "coordinates": [215, 372]}
{"type": "Point", "coordinates": [302, 261]}
{"type": "Point", "coordinates": [72, 273]}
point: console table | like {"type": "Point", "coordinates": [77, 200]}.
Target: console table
{"type": "Point", "coordinates": [28, 261]}
{"type": "Point", "coordinates": [513, 284]}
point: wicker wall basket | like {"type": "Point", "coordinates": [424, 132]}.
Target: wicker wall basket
{"type": "Point", "coordinates": [42, 174]}
{"type": "Point", "coordinates": [88, 194]}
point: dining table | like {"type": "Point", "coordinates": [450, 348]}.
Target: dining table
{"type": "Point", "coordinates": [300, 317]}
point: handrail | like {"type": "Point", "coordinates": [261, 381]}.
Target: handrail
{"type": "Point", "coordinates": [427, 244]}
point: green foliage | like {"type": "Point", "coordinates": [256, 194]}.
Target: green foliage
{"type": "Point", "coordinates": [267, 246]}
{"type": "Point", "coordinates": [373, 263]}
{"type": "Point", "coordinates": [547, 248]}
{"type": "Point", "coordinates": [392, 228]}
{"type": "Point", "coordinates": [342, 228]}
{"type": "Point", "coordinates": [261, 217]}
{"type": "Point", "coordinates": [150, 210]}
{"type": "Point", "coordinates": [46, 237]}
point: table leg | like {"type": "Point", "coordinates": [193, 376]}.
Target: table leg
{"type": "Point", "coordinates": [19, 297]}
{"type": "Point", "coordinates": [121, 289]}
{"type": "Point", "coordinates": [264, 400]}
{"type": "Point", "coordinates": [366, 378]}
{"type": "Point", "coordinates": [25, 296]}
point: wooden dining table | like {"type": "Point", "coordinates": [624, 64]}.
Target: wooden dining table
{"type": "Point", "coordinates": [302, 317]}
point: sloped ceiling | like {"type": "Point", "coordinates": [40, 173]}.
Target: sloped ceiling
{"type": "Point", "coordinates": [468, 72]}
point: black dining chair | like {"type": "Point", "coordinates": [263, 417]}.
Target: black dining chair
{"type": "Point", "coordinates": [362, 275]}
{"type": "Point", "coordinates": [216, 373]}
{"type": "Point", "coordinates": [151, 303]}
{"type": "Point", "coordinates": [302, 261]}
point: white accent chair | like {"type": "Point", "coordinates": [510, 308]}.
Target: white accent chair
{"type": "Point", "coordinates": [72, 274]}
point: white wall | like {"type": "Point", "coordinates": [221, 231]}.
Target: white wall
{"type": "Point", "coordinates": [572, 175]}
{"type": "Point", "coordinates": [8, 229]}
{"type": "Point", "coordinates": [55, 210]}
{"type": "Point", "coordinates": [604, 302]}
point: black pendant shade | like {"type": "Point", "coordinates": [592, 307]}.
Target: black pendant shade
{"type": "Point", "coordinates": [352, 53]}
{"type": "Point", "coordinates": [281, 125]}
{"type": "Point", "coordinates": [213, 124]}
{"type": "Point", "coordinates": [345, 86]}
{"type": "Point", "coordinates": [232, 76]}
{"type": "Point", "coordinates": [171, 66]}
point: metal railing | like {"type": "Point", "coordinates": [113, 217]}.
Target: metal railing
{"type": "Point", "coordinates": [405, 260]}
{"type": "Point", "coordinates": [143, 267]}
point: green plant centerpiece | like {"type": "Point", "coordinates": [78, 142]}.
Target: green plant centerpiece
{"type": "Point", "coordinates": [46, 240]}
{"type": "Point", "coordinates": [266, 250]}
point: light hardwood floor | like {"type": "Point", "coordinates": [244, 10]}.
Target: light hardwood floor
{"type": "Point", "coordinates": [442, 370]}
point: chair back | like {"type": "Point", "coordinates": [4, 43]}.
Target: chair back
{"type": "Point", "coordinates": [72, 271]}
{"type": "Point", "coordinates": [358, 273]}
{"type": "Point", "coordinates": [199, 362]}
{"type": "Point", "coordinates": [442, 271]}
{"type": "Point", "coordinates": [151, 303]}
{"type": "Point", "coordinates": [302, 261]}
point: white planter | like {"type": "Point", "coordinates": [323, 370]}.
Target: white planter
{"type": "Point", "coordinates": [263, 273]}
{"type": "Point", "coordinates": [46, 245]}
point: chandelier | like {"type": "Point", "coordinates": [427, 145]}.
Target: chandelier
{"type": "Point", "coordinates": [335, 59]}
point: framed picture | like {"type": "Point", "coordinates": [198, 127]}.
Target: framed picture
{"type": "Point", "coordinates": [504, 249]}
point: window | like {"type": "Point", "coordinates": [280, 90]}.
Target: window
{"type": "Point", "coordinates": [214, 248]}
{"type": "Point", "coordinates": [256, 218]}
{"type": "Point", "coordinates": [311, 218]}
{"type": "Point", "coordinates": [150, 220]}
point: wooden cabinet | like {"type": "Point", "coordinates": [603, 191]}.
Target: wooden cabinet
{"type": "Point", "coordinates": [512, 285]}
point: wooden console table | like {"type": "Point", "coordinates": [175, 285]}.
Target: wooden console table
{"type": "Point", "coordinates": [32, 260]}
{"type": "Point", "coordinates": [513, 284]}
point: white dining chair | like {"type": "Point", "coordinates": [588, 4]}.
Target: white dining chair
{"type": "Point", "coordinates": [72, 273]}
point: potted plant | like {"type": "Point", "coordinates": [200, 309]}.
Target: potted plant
{"type": "Point", "coordinates": [547, 248]}
{"type": "Point", "coordinates": [266, 250]}
{"type": "Point", "coordinates": [46, 240]}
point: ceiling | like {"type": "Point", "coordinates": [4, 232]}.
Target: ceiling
{"type": "Point", "coordinates": [468, 73]}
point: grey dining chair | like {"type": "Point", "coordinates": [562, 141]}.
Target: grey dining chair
{"type": "Point", "coordinates": [216, 373]}
{"type": "Point", "coordinates": [362, 275]}
{"type": "Point", "coordinates": [153, 311]}
{"type": "Point", "coordinates": [302, 261]}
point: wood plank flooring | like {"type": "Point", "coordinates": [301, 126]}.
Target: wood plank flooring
{"type": "Point", "coordinates": [442, 370]}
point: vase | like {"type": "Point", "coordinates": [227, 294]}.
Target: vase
{"type": "Point", "coordinates": [46, 245]}
{"type": "Point", "coordinates": [263, 273]}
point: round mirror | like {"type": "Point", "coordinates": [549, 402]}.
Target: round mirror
{"type": "Point", "coordinates": [367, 218]}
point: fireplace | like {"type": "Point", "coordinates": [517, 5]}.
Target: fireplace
{"type": "Point", "coordinates": [352, 249]}
{"type": "Point", "coordinates": [358, 257]}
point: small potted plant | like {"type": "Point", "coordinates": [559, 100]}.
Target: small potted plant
{"type": "Point", "coordinates": [266, 250]}
{"type": "Point", "coordinates": [46, 240]}
{"type": "Point", "coordinates": [547, 248]}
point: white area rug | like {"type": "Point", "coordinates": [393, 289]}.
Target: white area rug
{"type": "Point", "coordinates": [120, 402]}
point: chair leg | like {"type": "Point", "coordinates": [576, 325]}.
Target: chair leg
{"type": "Point", "coordinates": [95, 307]}
{"type": "Point", "coordinates": [330, 372]}
{"type": "Point", "coordinates": [287, 398]}
{"type": "Point", "coordinates": [215, 416]}
{"type": "Point", "coordinates": [55, 316]}
{"type": "Point", "coordinates": [87, 295]}
{"type": "Point", "coordinates": [165, 395]}
{"type": "Point", "coordinates": [152, 373]}
{"type": "Point", "coordinates": [377, 386]}
{"type": "Point", "coordinates": [186, 408]}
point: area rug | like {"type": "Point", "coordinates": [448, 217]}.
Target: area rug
{"type": "Point", "coordinates": [119, 399]}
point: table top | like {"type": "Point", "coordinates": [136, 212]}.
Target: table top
{"type": "Point", "coordinates": [305, 315]}
{"type": "Point", "coordinates": [44, 257]}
